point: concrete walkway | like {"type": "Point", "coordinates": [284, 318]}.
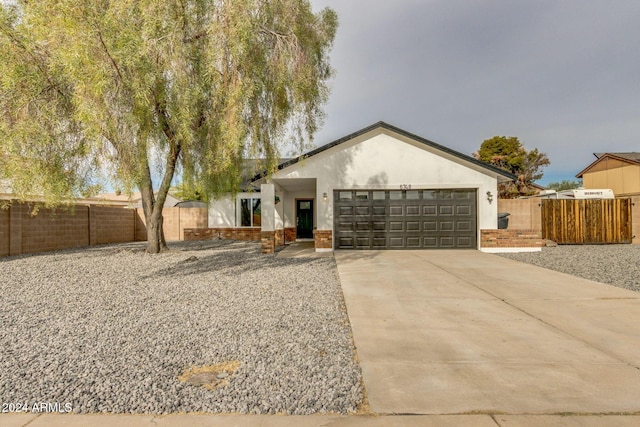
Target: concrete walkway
{"type": "Point", "coordinates": [302, 250]}
{"type": "Point", "coordinates": [455, 332]}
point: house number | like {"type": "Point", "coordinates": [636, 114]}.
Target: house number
{"type": "Point", "coordinates": [405, 186]}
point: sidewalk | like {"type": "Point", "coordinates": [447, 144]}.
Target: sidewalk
{"type": "Point", "coordinates": [70, 420]}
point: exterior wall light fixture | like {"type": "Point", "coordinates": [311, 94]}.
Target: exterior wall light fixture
{"type": "Point", "coordinates": [324, 196]}
{"type": "Point", "coordinates": [489, 196]}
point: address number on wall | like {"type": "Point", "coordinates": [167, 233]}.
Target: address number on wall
{"type": "Point", "coordinates": [405, 186]}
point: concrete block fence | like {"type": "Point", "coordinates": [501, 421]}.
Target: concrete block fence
{"type": "Point", "coordinates": [22, 232]}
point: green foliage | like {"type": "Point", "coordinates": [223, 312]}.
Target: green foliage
{"type": "Point", "coordinates": [565, 184]}
{"type": "Point", "coordinates": [132, 89]}
{"type": "Point", "coordinates": [509, 154]}
{"type": "Point", "coordinates": [185, 191]}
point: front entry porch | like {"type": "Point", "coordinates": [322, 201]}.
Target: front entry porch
{"type": "Point", "coordinates": [291, 209]}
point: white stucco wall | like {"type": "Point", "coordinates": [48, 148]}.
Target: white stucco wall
{"type": "Point", "coordinates": [384, 160]}
{"type": "Point", "coordinates": [222, 212]}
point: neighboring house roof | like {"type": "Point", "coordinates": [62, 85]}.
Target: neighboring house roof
{"type": "Point", "coordinates": [191, 204]}
{"type": "Point", "coordinates": [399, 131]}
{"type": "Point", "coordinates": [134, 199]}
{"type": "Point", "coordinates": [630, 158]}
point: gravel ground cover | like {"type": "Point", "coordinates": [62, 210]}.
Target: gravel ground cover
{"type": "Point", "coordinates": [617, 265]}
{"type": "Point", "coordinates": [111, 328]}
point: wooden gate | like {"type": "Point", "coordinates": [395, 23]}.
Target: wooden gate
{"type": "Point", "coordinates": [587, 221]}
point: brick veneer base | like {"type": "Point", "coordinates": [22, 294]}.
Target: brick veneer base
{"type": "Point", "coordinates": [511, 239]}
{"type": "Point", "coordinates": [246, 234]}
{"type": "Point", "coordinates": [289, 234]}
{"type": "Point", "coordinates": [268, 242]}
{"type": "Point", "coordinates": [323, 239]}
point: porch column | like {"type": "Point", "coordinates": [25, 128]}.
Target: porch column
{"type": "Point", "coordinates": [268, 218]}
{"type": "Point", "coordinates": [323, 234]}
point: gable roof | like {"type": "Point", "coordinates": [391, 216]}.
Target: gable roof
{"type": "Point", "coordinates": [630, 158]}
{"type": "Point", "coordinates": [399, 131]}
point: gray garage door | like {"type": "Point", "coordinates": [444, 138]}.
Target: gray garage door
{"type": "Point", "coordinates": [405, 219]}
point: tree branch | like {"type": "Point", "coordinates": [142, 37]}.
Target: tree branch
{"type": "Point", "coordinates": [106, 50]}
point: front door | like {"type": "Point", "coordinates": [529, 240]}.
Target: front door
{"type": "Point", "coordinates": [304, 219]}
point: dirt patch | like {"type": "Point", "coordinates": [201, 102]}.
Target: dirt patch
{"type": "Point", "coordinates": [210, 376]}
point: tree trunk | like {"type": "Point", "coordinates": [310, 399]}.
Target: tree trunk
{"type": "Point", "coordinates": [153, 215]}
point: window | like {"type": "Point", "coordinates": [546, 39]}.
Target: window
{"type": "Point", "coordinates": [413, 195]}
{"type": "Point", "coordinates": [250, 211]}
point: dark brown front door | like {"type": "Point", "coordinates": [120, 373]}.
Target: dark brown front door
{"type": "Point", "coordinates": [304, 219]}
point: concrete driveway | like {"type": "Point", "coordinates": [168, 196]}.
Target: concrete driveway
{"type": "Point", "coordinates": [454, 332]}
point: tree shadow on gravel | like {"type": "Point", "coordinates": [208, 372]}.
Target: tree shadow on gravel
{"type": "Point", "coordinates": [230, 260]}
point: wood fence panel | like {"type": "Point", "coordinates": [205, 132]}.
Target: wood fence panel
{"type": "Point", "coordinates": [587, 221]}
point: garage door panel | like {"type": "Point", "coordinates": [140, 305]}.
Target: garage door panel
{"type": "Point", "coordinates": [396, 242]}
{"type": "Point", "coordinates": [363, 210]}
{"type": "Point", "coordinates": [413, 242]}
{"type": "Point", "coordinates": [465, 242]}
{"type": "Point", "coordinates": [429, 226]}
{"type": "Point", "coordinates": [413, 210]}
{"type": "Point", "coordinates": [379, 242]}
{"type": "Point", "coordinates": [363, 242]}
{"type": "Point", "coordinates": [463, 226]}
{"type": "Point", "coordinates": [396, 226]}
{"type": "Point", "coordinates": [447, 242]}
{"type": "Point", "coordinates": [413, 226]}
{"type": "Point", "coordinates": [345, 226]}
{"type": "Point", "coordinates": [396, 211]}
{"type": "Point", "coordinates": [463, 210]}
{"type": "Point", "coordinates": [430, 242]}
{"type": "Point", "coordinates": [405, 219]}
{"type": "Point", "coordinates": [445, 210]}
{"type": "Point", "coordinates": [446, 225]}
{"type": "Point", "coordinates": [379, 210]}
{"type": "Point", "coordinates": [430, 210]}
{"type": "Point", "coordinates": [345, 242]}
{"type": "Point", "coordinates": [379, 226]}
{"type": "Point", "coordinates": [346, 210]}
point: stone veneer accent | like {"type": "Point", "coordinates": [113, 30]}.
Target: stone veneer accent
{"type": "Point", "coordinates": [289, 234]}
{"type": "Point", "coordinates": [279, 236]}
{"type": "Point", "coordinates": [323, 239]}
{"type": "Point", "coordinates": [245, 233]}
{"type": "Point", "coordinates": [268, 242]}
{"type": "Point", "coordinates": [511, 239]}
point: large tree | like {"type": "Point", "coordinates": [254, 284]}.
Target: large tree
{"type": "Point", "coordinates": [141, 89]}
{"type": "Point", "coordinates": [565, 184]}
{"type": "Point", "coordinates": [508, 153]}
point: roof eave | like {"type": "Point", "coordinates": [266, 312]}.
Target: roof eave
{"type": "Point", "coordinates": [501, 175]}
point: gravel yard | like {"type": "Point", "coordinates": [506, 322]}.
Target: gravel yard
{"type": "Point", "coordinates": [617, 265]}
{"type": "Point", "coordinates": [111, 328]}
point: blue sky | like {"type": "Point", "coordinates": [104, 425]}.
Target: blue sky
{"type": "Point", "coordinates": [562, 76]}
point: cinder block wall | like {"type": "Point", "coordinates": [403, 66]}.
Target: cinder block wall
{"type": "Point", "coordinates": [174, 221]}
{"type": "Point", "coordinates": [112, 225]}
{"type": "Point", "coordinates": [4, 231]}
{"type": "Point", "coordinates": [525, 213]}
{"type": "Point", "coordinates": [51, 230]}
{"type": "Point", "coordinates": [193, 218]}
